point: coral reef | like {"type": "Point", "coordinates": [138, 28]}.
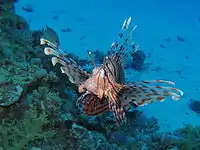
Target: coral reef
{"type": "Point", "coordinates": [15, 134]}
{"type": "Point", "coordinates": [189, 137]}
{"type": "Point", "coordinates": [138, 60]}
{"type": "Point", "coordinates": [38, 111]}
{"type": "Point", "coordinates": [18, 79]}
{"type": "Point", "coordinates": [195, 106]}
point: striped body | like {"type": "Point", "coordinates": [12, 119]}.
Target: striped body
{"type": "Point", "coordinates": [105, 89]}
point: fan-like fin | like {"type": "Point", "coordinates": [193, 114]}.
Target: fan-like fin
{"type": "Point", "coordinates": [123, 45]}
{"type": "Point", "coordinates": [120, 49]}
{"type": "Point", "coordinates": [145, 92]}
{"type": "Point", "coordinates": [118, 111]}
{"type": "Point", "coordinates": [75, 73]}
{"type": "Point", "coordinates": [92, 105]}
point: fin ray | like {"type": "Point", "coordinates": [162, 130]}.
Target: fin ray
{"type": "Point", "coordinates": [142, 93]}
{"type": "Point", "coordinates": [75, 73]}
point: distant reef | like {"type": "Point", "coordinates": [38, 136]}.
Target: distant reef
{"type": "Point", "coordinates": [38, 109]}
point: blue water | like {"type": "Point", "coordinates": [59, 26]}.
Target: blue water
{"type": "Point", "coordinates": [100, 21]}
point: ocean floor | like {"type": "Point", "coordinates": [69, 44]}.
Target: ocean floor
{"type": "Point", "coordinates": [168, 31]}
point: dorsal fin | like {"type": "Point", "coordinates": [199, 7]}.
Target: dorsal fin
{"type": "Point", "coordinates": [91, 58]}
{"type": "Point", "coordinates": [124, 45]}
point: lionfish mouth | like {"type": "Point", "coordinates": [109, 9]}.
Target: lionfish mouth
{"type": "Point", "coordinates": [105, 88]}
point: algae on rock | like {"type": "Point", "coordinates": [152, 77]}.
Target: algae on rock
{"type": "Point", "coordinates": [15, 135]}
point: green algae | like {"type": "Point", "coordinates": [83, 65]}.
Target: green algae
{"type": "Point", "coordinates": [16, 134]}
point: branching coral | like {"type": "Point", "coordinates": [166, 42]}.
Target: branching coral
{"type": "Point", "coordinates": [186, 138]}
{"type": "Point", "coordinates": [45, 99]}
{"type": "Point", "coordinates": [189, 138]}
{"type": "Point", "coordinates": [138, 62]}
{"type": "Point", "coordinates": [9, 20]}
{"type": "Point", "coordinates": [15, 134]}
{"type": "Point", "coordinates": [18, 79]}
{"type": "Point", "coordinates": [33, 105]}
{"type": "Point", "coordinates": [7, 5]}
{"type": "Point", "coordinates": [16, 37]}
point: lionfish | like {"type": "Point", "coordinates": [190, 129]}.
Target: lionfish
{"type": "Point", "coordinates": [105, 88]}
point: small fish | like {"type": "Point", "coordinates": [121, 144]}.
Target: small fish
{"type": "Point", "coordinates": [27, 8]}
{"type": "Point", "coordinates": [82, 37]}
{"type": "Point", "coordinates": [168, 39]}
{"type": "Point", "coordinates": [105, 89]}
{"type": "Point", "coordinates": [55, 17]}
{"type": "Point", "coordinates": [181, 39]}
{"type": "Point", "coordinates": [162, 46]}
{"type": "Point", "coordinates": [66, 30]}
{"type": "Point", "coordinates": [50, 34]}
{"type": "Point", "coordinates": [198, 19]}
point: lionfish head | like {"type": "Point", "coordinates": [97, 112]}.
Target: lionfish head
{"type": "Point", "coordinates": [105, 89]}
{"type": "Point", "coordinates": [101, 83]}
{"type": "Point", "coordinates": [107, 80]}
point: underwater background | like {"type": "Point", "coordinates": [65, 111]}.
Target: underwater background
{"type": "Point", "coordinates": [38, 103]}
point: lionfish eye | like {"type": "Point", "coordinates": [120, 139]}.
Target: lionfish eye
{"type": "Point", "coordinates": [85, 89]}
